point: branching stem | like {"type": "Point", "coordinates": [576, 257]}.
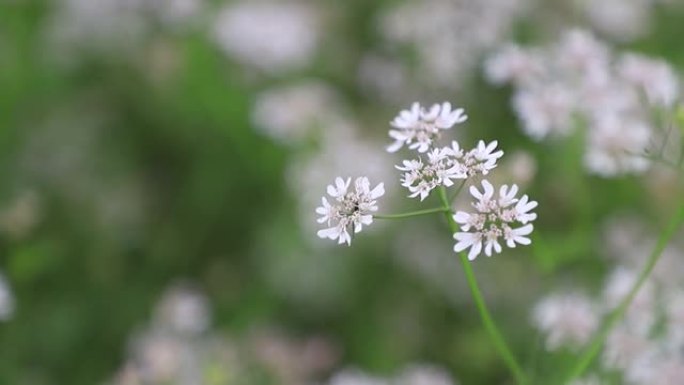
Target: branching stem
{"type": "Point", "coordinates": [493, 331]}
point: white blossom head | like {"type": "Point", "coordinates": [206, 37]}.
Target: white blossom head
{"type": "Point", "coordinates": [419, 127]}
{"type": "Point", "coordinates": [446, 164]}
{"type": "Point", "coordinates": [566, 319]}
{"type": "Point", "coordinates": [420, 178]}
{"type": "Point", "coordinates": [496, 217]}
{"type": "Point", "coordinates": [352, 207]}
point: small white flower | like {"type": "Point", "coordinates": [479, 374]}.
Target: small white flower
{"type": "Point", "coordinates": [445, 164]}
{"type": "Point", "coordinates": [418, 127]}
{"type": "Point", "coordinates": [567, 319]}
{"type": "Point", "coordinates": [421, 178]}
{"type": "Point", "coordinates": [494, 219]}
{"type": "Point", "coordinates": [478, 161]}
{"type": "Point", "coordinates": [350, 208]}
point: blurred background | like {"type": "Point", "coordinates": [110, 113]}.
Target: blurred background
{"type": "Point", "coordinates": [161, 161]}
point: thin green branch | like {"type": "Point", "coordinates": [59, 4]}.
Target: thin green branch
{"type": "Point", "coordinates": [412, 213]}
{"type": "Point", "coordinates": [616, 315]}
{"type": "Point", "coordinates": [493, 331]}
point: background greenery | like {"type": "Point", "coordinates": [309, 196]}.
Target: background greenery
{"type": "Point", "coordinates": [143, 175]}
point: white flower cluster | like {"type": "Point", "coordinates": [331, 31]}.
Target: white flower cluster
{"type": "Point", "coordinates": [413, 375]}
{"type": "Point", "coordinates": [579, 82]}
{"type": "Point", "coordinates": [419, 129]}
{"type": "Point", "coordinates": [494, 218]}
{"type": "Point", "coordinates": [445, 164]}
{"type": "Point", "coordinates": [646, 345]}
{"type": "Point", "coordinates": [351, 208]}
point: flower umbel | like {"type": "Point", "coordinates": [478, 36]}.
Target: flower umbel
{"type": "Point", "coordinates": [445, 164]}
{"type": "Point", "coordinates": [350, 207]}
{"type": "Point", "coordinates": [495, 218]}
{"type": "Point", "coordinates": [420, 178]}
{"type": "Point", "coordinates": [418, 127]}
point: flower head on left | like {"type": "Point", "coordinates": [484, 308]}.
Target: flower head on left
{"type": "Point", "coordinates": [351, 206]}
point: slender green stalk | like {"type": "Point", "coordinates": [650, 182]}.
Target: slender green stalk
{"type": "Point", "coordinates": [412, 213]}
{"type": "Point", "coordinates": [596, 344]}
{"type": "Point", "coordinates": [493, 331]}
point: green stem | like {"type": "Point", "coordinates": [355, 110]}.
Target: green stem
{"type": "Point", "coordinates": [596, 344]}
{"type": "Point", "coordinates": [493, 331]}
{"type": "Point", "coordinates": [412, 213]}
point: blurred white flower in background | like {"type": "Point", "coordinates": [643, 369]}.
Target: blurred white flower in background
{"type": "Point", "coordinates": [416, 374]}
{"type": "Point", "coordinates": [104, 26]}
{"type": "Point", "coordinates": [21, 216]}
{"type": "Point", "coordinates": [424, 375]}
{"type": "Point", "coordinates": [183, 310]}
{"type": "Point", "coordinates": [567, 320]}
{"type": "Point", "coordinates": [647, 344]}
{"type": "Point", "coordinates": [617, 145]}
{"type": "Point", "coordinates": [621, 20]}
{"type": "Point", "coordinates": [591, 380]}
{"type": "Point", "coordinates": [579, 83]}
{"type": "Point", "coordinates": [6, 299]}
{"type": "Point", "coordinates": [179, 348]}
{"type": "Point", "coordinates": [448, 36]}
{"type": "Point", "coordinates": [272, 36]}
{"type": "Point", "coordinates": [292, 113]}
{"type": "Point", "coordinates": [113, 27]}
{"type": "Point", "coordinates": [653, 77]}
{"type": "Point", "coordinates": [355, 377]}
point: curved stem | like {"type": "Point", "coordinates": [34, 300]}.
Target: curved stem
{"type": "Point", "coordinates": [597, 343]}
{"type": "Point", "coordinates": [411, 214]}
{"type": "Point", "coordinates": [493, 331]}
